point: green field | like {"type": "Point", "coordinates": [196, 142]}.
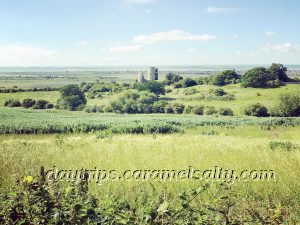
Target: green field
{"type": "Point", "coordinates": [73, 140]}
{"type": "Point", "coordinates": [243, 96]}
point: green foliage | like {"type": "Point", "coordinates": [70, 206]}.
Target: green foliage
{"type": "Point", "coordinates": [159, 106]}
{"type": "Point", "coordinates": [49, 106]}
{"type": "Point", "coordinates": [225, 112]}
{"type": "Point", "coordinates": [188, 82]}
{"type": "Point", "coordinates": [260, 77]}
{"type": "Point", "coordinates": [178, 85]}
{"type": "Point", "coordinates": [48, 122]}
{"type": "Point", "coordinates": [217, 92]}
{"type": "Point", "coordinates": [190, 91]}
{"type": "Point", "coordinates": [257, 110]}
{"type": "Point", "coordinates": [93, 109]}
{"type": "Point", "coordinates": [225, 77]}
{"type": "Point", "coordinates": [210, 110]}
{"type": "Point", "coordinates": [172, 78]}
{"type": "Point", "coordinates": [209, 132]}
{"type": "Point", "coordinates": [152, 86]}
{"type": "Point", "coordinates": [133, 101]}
{"type": "Point", "coordinates": [41, 104]}
{"type": "Point", "coordinates": [286, 145]}
{"type": "Point", "coordinates": [289, 106]}
{"type": "Point", "coordinates": [72, 98]}
{"type": "Point", "coordinates": [35, 199]}
{"type": "Point", "coordinates": [279, 72]}
{"type": "Point", "coordinates": [12, 103]}
{"type": "Point", "coordinates": [28, 103]}
{"type": "Point", "coordinates": [199, 110]}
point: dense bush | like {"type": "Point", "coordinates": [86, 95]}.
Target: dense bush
{"type": "Point", "coordinates": [159, 107]}
{"type": "Point", "coordinates": [93, 109]}
{"type": "Point", "coordinates": [152, 86]}
{"type": "Point", "coordinates": [178, 108]}
{"type": "Point", "coordinates": [172, 78]}
{"type": "Point", "coordinates": [259, 77]}
{"type": "Point", "coordinates": [28, 103]}
{"type": "Point", "coordinates": [287, 145]}
{"type": "Point", "coordinates": [133, 101]}
{"type": "Point", "coordinates": [225, 112]}
{"type": "Point", "coordinates": [188, 82]}
{"type": "Point", "coordinates": [210, 110]}
{"type": "Point", "coordinates": [12, 103]}
{"type": "Point", "coordinates": [225, 77]}
{"type": "Point", "coordinates": [257, 110]}
{"type": "Point", "coordinates": [40, 200]}
{"type": "Point", "coordinates": [190, 91]}
{"type": "Point", "coordinates": [40, 104]}
{"type": "Point", "coordinates": [178, 85]}
{"type": "Point", "coordinates": [199, 110]}
{"type": "Point", "coordinates": [289, 106]}
{"type": "Point", "coordinates": [49, 106]}
{"type": "Point", "coordinates": [217, 92]}
{"type": "Point", "coordinates": [279, 72]}
{"type": "Point", "coordinates": [72, 98]}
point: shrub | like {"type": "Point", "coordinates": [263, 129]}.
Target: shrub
{"type": "Point", "coordinates": [287, 145]}
{"type": "Point", "coordinates": [190, 91]}
{"type": "Point", "coordinates": [172, 78]}
{"type": "Point", "coordinates": [153, 86]}
{"type": "Point", "coordinates": [199, 110]}
{"type": "Point", "coordinates": [188, 109]}
{"type": "Point", "coordinates": [188, 82]}
{"type": "Point", "coordinates": [209, 132]}
{"type": "Point", "coordinates": [225, 77]}
{"type": "Point", "coordinates": [259, 77]}
{"type": "Point", "coordinates": [210, 110]}
{"type": "Point", "coordinates": [133, 101]}
{"type": "Point", "coordinates": [178, 108]}
{"type": "Point", "coordinates": [40, 104]}
{"type": "Point", "coordinates": [217, 92]}
{"type": "Point", "coordinates": [93, 109]}
{"type": "Point", "coordinates": [279, 71]}
{"type": "Point", "coordinates": [169, 109]}
{"type": "Point", "coordinates": [159, 107]}
{"type": "Point", "coordinates": [28, 103]}
{"type": "Point", "coordinates": [200, 81]}
{"type": "Point", "coordinates": [12, 103]}
{"type": "Point", "coordinates": [225, 112]}
{"type": "Point", "coordinates": [49, 106]}
{"type": "Point", "coordinates": [72, 98]}
{"type": "Point", "coordinates": [289, 106]}
{"type": "Point", "coordinates": [178, 85]}
{"type": "Point", "coordinates": [257, 110]}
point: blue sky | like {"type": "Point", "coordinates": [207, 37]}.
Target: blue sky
{"type": "Point", "coordinates": [148, 32]}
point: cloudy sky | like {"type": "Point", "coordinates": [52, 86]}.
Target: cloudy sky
{"type": "Point", "coordinates": [148, 32]}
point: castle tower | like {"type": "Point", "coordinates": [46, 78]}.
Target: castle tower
{"type": "Point", "coordinates": [141, 78]}
{"type": "Point", "coordinates": [151, 73]}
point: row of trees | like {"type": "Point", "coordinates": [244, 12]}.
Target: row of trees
{"type": "Point", "coordinates": [29, 103]}
{"type": "Point", "coordinates": [259, 77]}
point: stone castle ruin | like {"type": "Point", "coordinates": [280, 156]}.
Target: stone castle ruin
{"type": "Point", "coordinates": [152, 74]}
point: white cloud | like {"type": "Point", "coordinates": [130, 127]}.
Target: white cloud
{"type": "Point", "coordinates": [270, 33]}
{"type": "Point", "coordinates": [281, 48]}
{"type": "Point", "coordinates": [138, 2]}
{"type": "Point", "coordinates": [25, 55]}
{"type": "Point", "coordinates": [124, 49]}
{"type": "Point", "coordinates": [192, 50]}
{"type": "Point", "coordinates": [83, 43]}
{"type": "Point", "coordinates": [218, 10]}
{"type": "Point", "coordinates": [171, 36]}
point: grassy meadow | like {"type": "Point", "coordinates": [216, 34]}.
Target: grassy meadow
{"type": "Point", "coordinates": [73, 140]}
